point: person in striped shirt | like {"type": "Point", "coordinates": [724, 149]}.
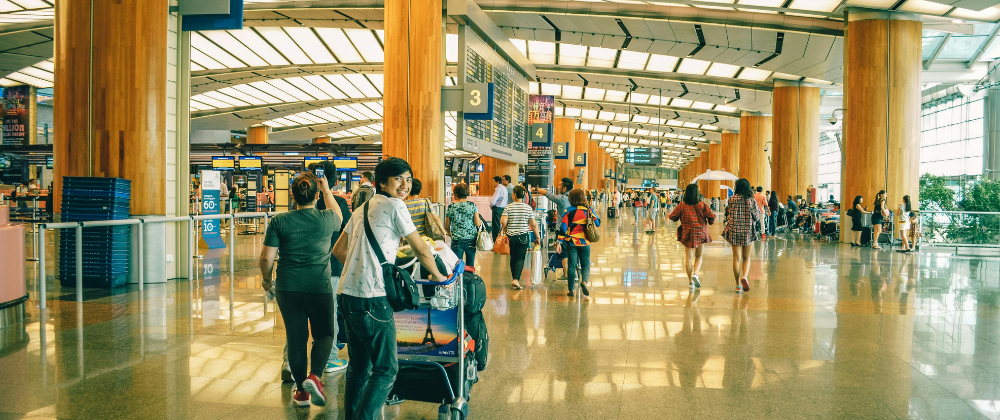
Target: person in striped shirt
{"type": "Point", "coordinates": [518, 221]}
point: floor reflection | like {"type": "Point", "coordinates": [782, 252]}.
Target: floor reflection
{"type": "Point", "coordinates": [827, 331]}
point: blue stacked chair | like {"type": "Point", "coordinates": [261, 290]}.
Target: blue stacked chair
{"type": "Point", "coordinates": [105, 249]}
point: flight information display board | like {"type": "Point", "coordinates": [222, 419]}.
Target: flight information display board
{"type": "Point", "coordinates": [506, 135]}
{"type": "Point", "coordinates": [223, 163]}
{"type": "Point", "coordinates": [643, 156]}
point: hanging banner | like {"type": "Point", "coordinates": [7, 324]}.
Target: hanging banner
{"type": "Point", "coordinates": [210, 203]}
{"type": "Point", "coordinates": [538, 171]}
{"type": "Point", "coordinates": [19, 115]}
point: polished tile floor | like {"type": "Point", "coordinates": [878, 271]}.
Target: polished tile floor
{"type": "Point", "coordinates": [827, 331]}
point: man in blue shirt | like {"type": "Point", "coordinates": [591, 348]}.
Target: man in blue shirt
{"type": "Point", "coordinates": [497, 205]}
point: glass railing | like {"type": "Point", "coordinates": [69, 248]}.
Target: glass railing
{"type": "Point", "coordinates": [960, 228]}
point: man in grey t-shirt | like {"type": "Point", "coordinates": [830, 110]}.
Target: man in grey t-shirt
{"type": "Point", "coordinates": [510, 188]}
{"type": "Point", "coordinates": [562, 203]}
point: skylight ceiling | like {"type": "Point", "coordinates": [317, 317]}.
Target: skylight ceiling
{"type": "Point", "coordinates": [277, 46]}
{"type": "Point", "coordinates": [292, 89]}
{"type": "Point", "coordinates": [330, 115]}
{"type": "Point", "coordinates": [39, 75]}
{"type": "Point", "coordinates": [572, 92]}
{"type": "Point", "coordinates": [26, 11]}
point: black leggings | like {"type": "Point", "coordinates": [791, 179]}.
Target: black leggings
{"type": "Point", "coordinates": [301, 312]}
{"type": "Point", "coordinates": [518, 251]}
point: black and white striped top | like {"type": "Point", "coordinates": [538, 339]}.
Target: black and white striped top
{"type": "Point", "coordinates": [518, 214]}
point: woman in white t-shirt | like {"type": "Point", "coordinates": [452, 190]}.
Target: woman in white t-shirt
{"type": "Point", "coordinates": [371, 329]}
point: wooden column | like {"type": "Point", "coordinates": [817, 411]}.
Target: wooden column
{"type": "Point", "coordinates": [322, 140]}
{"type": "Point", "coordinates": [882, 121]}
{"type": "Point", "coordinates": [715, 164]}
{"type": "Point", "coordinates": [755, 133]}
{"type": "Point", "coordinates": [111, 100]}
{"type": "Point", "coordinates": [258, 134]}
{"type": "Point", "coordinates": [595, 165]}
{"type": "Point", "coordinates": [494, 167]}
{"type": "Point", "coordinates": [413, 79]}
{"type": "Point", "coordinates": [795, 159]}
{"type": "Point", "coordinates": [564, 131]}
{"type": "Point", "coordinates": [730, 155]}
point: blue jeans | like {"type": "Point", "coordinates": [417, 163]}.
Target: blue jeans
{"type": "Point", "coordinates": [579, 256]}
{"type": "Point", "coordinates": [371, 345]}
{"type": "Point", "coordinates": [465, 249]}
{"type": "Point", "coordinates": [773, 223]}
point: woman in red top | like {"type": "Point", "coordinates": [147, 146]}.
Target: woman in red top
{"type": "Point", "coordinates": [695, 216]}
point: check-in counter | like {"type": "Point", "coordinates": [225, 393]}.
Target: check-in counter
{"type": "Point", "coordinates": [12, 285]}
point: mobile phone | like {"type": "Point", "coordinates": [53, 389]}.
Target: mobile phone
{"type": "Point", "coordinates": [320, 172]}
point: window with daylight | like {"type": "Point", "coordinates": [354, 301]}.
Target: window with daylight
{"type": "Point", "coordinates": [951, 140]}
{"type": "Point", "coordinates": [829, 166]}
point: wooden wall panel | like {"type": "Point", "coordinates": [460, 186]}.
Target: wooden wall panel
{"type": "Point", "coordinates": [413, 78]}
{"type": "Point", "coordinates": [564, 131]}
{"type": "Point", "coordinates": [595, 165]}
{"type": "Point", "coordinates": [322, 140]}
{"type": "Point", "coordinates": [124, 133]}
{"type": "Point", "coordinates": [494, 167]}
{"type": "Point", "coordinates": [755, 132]}
{"type": "Point", "coordinates": [730, 155]}
{"type": "Point", "coordinates": [715, 164]}
{"type": "Point", "coordinates": [796, 139]}
{"type": "Point", "coordinates": [258, 135]}
{"type": "Point", "coordinates": [882, 124]}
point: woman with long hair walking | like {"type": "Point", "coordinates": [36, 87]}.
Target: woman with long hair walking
{"type": "Point", "coordinates": [878, 217]}
{"type": "Point", "coordinates": [518, 222]}
{"type": "Point", "coordinates": [742, 218]}
{"type": "Point", "coordinates": [574, 224]}
{"type": "Point", "coordinates": [695, 216]}
{"type": "Point", "coordinates": [904, 224]}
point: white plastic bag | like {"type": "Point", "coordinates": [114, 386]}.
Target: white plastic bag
{"type": "Point", "coordinates": [537, 267]}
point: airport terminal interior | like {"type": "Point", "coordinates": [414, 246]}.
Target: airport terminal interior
{"type": "Point", "coordinates": [781, 209]}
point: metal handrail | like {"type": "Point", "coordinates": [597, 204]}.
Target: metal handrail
{"type": "Point", "coordinates": [931, 213]}
{"type": "Point", "coordinates": [140, 223]}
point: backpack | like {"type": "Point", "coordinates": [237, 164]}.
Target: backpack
{"type": "Point", "coordinates": [475, 293]}
{"type": "Point", "coordinates": [400, 290]}
{"type": "Point", "coordinates": [361, 196]}
{"type": "Point", "coordinates": [475, 325]}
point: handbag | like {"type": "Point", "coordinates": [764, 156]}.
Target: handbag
{"type": "Point", "coordinates": [400, 290]}
{"type": "Point", "coordinates": [484, 241]}
{"type": "Point", "coordinates": [590, 231]}
{"type": "Point", "coordinates": [502, 245]}
{"type": "Point", "coordinates": [434, 229]}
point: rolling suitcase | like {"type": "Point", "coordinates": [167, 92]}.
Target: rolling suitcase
{"type": "Point", "coordinates": [866, 236]}
{"type": "Point", "coordinates": [612, 212]}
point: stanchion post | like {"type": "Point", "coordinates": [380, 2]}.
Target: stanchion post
{"type": "Point", "coordinates": [79, 262]}
{"type": "Point", "coordinates": [41, 275]}
{"type": "Point", "coordinates": [142, 271]}
{"type": "Point", "coordinates": [232, 250]}
{"type": "Point", "coordinates": [191, 245]}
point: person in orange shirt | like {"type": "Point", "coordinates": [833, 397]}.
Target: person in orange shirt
{"type": "Point", "coordinates": [762, 206]}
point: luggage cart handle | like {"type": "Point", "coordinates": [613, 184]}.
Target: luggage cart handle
{"type": "Point", "coordinates": [459, 268]}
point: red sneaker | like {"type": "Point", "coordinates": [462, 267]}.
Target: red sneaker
{"type": "Point", "coordinates": [746, 286]}
{"type": "Point", "coordinates": [300, 398]}
{"type": "Point", "coordinates": [314, 386]}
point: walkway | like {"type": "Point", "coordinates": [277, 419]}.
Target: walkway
{"type": "Point", "coordinates": [827, 331]}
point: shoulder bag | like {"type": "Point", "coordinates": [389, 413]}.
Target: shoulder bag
{"type": "Point", "coordinates": [484, 241]}
{"type": "Point", "coordinates": [502, 244]}
{"type": "Point", "coordinates": [432, 223]}
{"type": "Point", "coordinates": [591, 228]}
{"type": "Point", "coordinates": [400, 290]}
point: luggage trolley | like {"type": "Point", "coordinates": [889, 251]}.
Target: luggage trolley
{"type": "Point", "coordinates": [434, 349]}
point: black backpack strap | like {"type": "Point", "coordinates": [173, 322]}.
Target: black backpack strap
{"type": "Point", "coordinates": [371, 239]}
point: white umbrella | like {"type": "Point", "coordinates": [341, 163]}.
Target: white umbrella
{"type": "Point", "coordinates": [711, 175]}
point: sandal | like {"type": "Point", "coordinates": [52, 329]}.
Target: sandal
{"type": "Point", "coordinates": [516, 286]}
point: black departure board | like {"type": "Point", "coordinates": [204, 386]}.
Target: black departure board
{"type": "Point", "coordinates": [644, 156]}
{"type": "Point", "coordinates": [506, 135]}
